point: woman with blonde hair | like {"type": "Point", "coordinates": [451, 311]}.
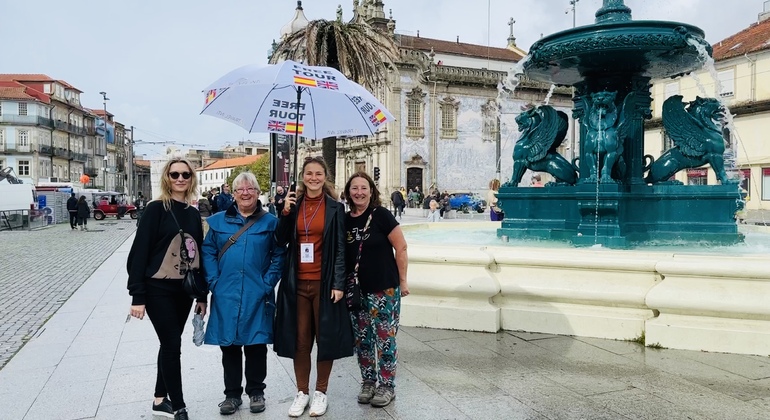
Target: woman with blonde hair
{"type": "Point", "coordinates": [309, 304]}
{"type": "Point", "coordinates": [165, 248]}
{"type": "Point", "coordinates": [495, 212]}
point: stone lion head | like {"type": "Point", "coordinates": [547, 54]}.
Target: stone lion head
{"type": "Point", "coordinates": [604, 99]}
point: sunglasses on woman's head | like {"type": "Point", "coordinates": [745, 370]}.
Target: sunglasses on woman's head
{"type": "Point", "coordinates": [175, 175]}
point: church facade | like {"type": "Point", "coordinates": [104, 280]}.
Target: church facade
{"type": "Point", "coordinates": [455, 127]}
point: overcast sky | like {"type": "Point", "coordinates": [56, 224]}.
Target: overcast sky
{"type": "Point", "coordinates": [153, 58]}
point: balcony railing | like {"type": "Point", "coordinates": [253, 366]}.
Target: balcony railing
{"type": "Point", "coordinates": [15, 148]}
{"type": "Point", "coordinates": [61, 152]}
{"type": "Point", "coordinates": [46, 149]}
{"type": "Point", "coordinates": [415, 132]}
{"type": "Point", "coordinates": [91, 171]}
{"type": "Point", "coordinates": [448, 133]}
{"type": "Point", "coordinates": [60, 125]}
{"type": "Point", "coordinates": [74, 129]}
{"type": "Point", "coordinates": [27, 120]}
{"type": "Point", "coordinates": [80, 157]}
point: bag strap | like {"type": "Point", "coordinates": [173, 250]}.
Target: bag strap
{"type": "Point", "coordinates": [231, 240]}
{"type": "Point", "coordinates": [361, 244]}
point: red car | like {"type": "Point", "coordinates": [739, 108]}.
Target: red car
{"type": "Point", "coordinates": [107, 204]}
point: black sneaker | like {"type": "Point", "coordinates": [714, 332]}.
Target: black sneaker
{"type": "Point", "coordinates": [229, 405]}
{"type": "Point", "coordinates": [257, 403]}
{"type": "Point", "coordinates": [163, 409]}
{"type": "Point", "coordinates": [181, 414]}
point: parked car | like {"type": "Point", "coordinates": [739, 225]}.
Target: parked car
{"type": "Point", "coordinates": [106, 203]}
{"type": "Point", "coordinates": [466, 202]}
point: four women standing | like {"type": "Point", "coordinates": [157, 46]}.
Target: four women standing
{"type": "Point", "coordinates": [245, 253]}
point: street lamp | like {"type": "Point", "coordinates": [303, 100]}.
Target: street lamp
{"type": "Point", "coordinates": [104, 119]}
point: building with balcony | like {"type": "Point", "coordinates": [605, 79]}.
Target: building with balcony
{"type": "Point", "coordinates": [57, 143]}
{"type": "Point", "coordinates": [740, 79]}
{"type": "Point", "coordinates": [25, 129]}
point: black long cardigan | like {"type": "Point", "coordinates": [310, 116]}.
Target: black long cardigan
{"type": "Point", "coordinates": [335, 335]}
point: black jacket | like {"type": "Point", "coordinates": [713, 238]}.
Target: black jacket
{"type": "Point", "coordinates": [72, 205]}
{"type": "Point", "coordinates": [84, 212]}
{"type": "Point", "coordinates": [335, 335]}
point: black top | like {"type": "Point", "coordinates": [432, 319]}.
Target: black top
{"type": "Point", "coordinates": [154, 263]}
{"type": "Point", "coordinates": [377, 270]}
{"type": "Point", "coordinates": [72, 204]}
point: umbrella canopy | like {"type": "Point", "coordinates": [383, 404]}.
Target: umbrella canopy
{"type": "Point", "coordinates": [292, 98]}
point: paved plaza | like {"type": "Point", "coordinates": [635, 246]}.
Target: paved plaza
{"type": "Point", "coordinates": [87, 362]}
{"type": "Point", "coordinates": [39, 271]}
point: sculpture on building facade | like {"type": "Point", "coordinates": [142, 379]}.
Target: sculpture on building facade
{"type": "Point", "coordinates": [606, 129]}
{"type": "Point", "coordinates": [543, 129]}
{"type": "Point", "coordinates": [694, 130]}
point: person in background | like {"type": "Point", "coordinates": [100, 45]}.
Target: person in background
{"type": "Point", "coordinates": [495, 212]}
{"type": "Point", "coordinates": [397, 200]}
{"type": "Point", "coordinates": [382, 275]}
{"type": "Point", "coordinates": [224, 199]}
{"type": "Point", "coordinates": [241, 281]}
{"type": "Point", "coordinates": [213, 195]}
{"type": "Point", "coordinates": [140, 204]}
{"type": "Point", "coordinates": [72, 208]}
{"type": "Point", "coordinates": [280, 197]}
{"type": "Point", "coordinates": [310, 305]}
{"type": "Point", "coordinates": [536, 181]}
{"type": "Point", "coordinates": [204, 208]}
{"type": "Point", "coordinates": [271, 206]}
{"type": "Point", "coordinates": [159, 259]}
{"type": "Point", "coordinates": [84, 212]}
{"type": "Point", "coordinates": [426, 205]}
{"type": "Point", "coordinates": [434, 215]}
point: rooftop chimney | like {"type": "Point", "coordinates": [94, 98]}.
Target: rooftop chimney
{"type": "Point", "coordinates": [765, 13]}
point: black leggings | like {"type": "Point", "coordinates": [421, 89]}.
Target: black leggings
{"type": "Point", "coordinates": [168, 314]}
{"type": "Point", "coordinates": [73, 219]}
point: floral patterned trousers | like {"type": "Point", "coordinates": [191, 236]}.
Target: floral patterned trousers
{"type": "Point", "coordinates": [374, 329]}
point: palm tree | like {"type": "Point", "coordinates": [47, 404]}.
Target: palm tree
{"type": "Point", "coordinates": [361, 52]}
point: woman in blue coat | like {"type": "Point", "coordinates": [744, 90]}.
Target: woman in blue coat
{"type": "Point", "coordinates": [241, 277]}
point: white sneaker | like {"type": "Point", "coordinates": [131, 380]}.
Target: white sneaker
{"type": "Point", "coordinates": [318, 408]}
{"type": "Point", "coordinates": [300, 403]}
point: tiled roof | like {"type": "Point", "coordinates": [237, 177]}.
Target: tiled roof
{"type": "Point", "coordinates": [100, 112]}
{"type": "Point", "coordinates": [753, 39]}
{"type": "Point", "coordinates": [459, 48]}
{"type": "Point", "coordinates": [233, 163]}
{"type": "Point", "coordinates": [142, 162]}
{"type": "Point", "coordinates": [21, 77]}
{"type": "Point", "coordinates": [15, 90]}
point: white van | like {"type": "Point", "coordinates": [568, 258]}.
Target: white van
{"type": "Point", "coordinates": [17, 197]}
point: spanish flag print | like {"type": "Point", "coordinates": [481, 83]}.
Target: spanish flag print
{"type": "Point", "coordinates": [379, 115]}
{"type": "Point", "coordinates": [210, 96]}
{"type": "Point", "coordinates": [294, 128]}
{"type": "Point", "coordinates": [305, 81]}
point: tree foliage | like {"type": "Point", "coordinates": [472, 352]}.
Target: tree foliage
{"type": "Point", "coordinates": [358, 50]}
{"type": "Point", "coordinates": [260, 168]}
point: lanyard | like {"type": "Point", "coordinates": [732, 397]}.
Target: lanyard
{"type": "Point", "coordinates": [304, 217]}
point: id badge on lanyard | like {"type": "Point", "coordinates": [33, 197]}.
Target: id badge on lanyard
{"type": "Point", "coordinates": [306, 249]}
{"type": "Point", "coordinates": [306, 253]}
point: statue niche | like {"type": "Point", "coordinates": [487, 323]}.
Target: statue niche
{"type": "Point", "coordinates": [542, 131]}
{"type": "Point", "coordinates": [606, 129]}
{"type": "Point", "coordinates": [696, 137]}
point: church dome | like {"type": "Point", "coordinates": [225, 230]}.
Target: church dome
{"type": "Point", "coordinates": [297, 23]}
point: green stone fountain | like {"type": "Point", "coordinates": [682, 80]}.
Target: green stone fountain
{"type": "Point", "coordinates": [603, 197]}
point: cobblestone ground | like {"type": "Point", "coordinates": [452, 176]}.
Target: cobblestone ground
{"type": "Point", "coordinates": [41, 269]}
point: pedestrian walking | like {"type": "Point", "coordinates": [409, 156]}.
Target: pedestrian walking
{"type": "Point", "coordinates": [204, 208]}
{"type": "Point", "coordinates": [243, 263]}
{"type": "Point", "coordinates": [166, 247]}
{"type": "Point", "coordinates": [310, 305]}
{"type": "Point", "coordinates": [434, 214]}
{"type": "Point", "coordinates": [397, 199]}
{"type": "Point", "coordinates": [72, 208]}
{"type": "Point", "coordinates": [224, 198]}
{"type": "Point", "coordinates": [84, 213]}
{"type": "Point", "coordinates": [382, 267]}
{"type": "Point", "coordinates": [495, 212]}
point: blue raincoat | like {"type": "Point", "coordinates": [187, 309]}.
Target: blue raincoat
{"type": "Point", "coordinates": [242, 283]}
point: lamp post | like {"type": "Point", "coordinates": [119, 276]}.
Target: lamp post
{"type": "Point", "coordinates": [105, 99]}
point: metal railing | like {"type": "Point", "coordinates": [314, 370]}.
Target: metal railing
{"type": "Point", "coordinates": [21, 219]}
{"type": "Point", "coordinates": [27, 120]}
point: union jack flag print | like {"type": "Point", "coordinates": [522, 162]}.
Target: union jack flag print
{"type": "Point", "coordinates": [327, 85]}
{"type": "Point", "coordinates": [278, 126]}
{"type": "Point", "coordinates": [374, 120]}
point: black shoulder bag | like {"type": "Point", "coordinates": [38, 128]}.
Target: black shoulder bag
{"type": "Point", "coordinates": [231, 240]}
{"type": "Point", "coordinates": [353, 298]}
{"type": "Point", "coordinates": [195, 286]}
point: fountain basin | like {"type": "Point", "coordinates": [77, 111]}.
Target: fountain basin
{"type": "Point", "coordinates": [653, 49]}
{"type": "Point", "coordinates": [683, 300]}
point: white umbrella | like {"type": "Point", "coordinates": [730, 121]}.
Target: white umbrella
{"type": "Point", "coordinates": [292, 98]}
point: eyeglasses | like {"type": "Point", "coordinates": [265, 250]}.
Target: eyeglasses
{"type": "Point", "coordinates": [175, 175]}
{"type": "Point", "coordinates": [314, 159]}
{"type": "Point", "coordinates": [245, 190]}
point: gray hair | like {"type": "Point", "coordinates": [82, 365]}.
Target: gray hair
{"type": "Point", "coordinates": [246, 178]}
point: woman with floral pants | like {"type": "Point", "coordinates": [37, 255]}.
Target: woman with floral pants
{"type": "Point", "coordinates": [374, 232]}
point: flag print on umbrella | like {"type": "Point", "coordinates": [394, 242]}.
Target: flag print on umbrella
{"type": "Point", "coordinates": [305, 81]}
{"type": "Point", "coordinates": [210, 96]}
{"type": "Point", "coordinates": [294, 128]}
{"type": "Point", "coordinates": [285, 127]}
{"type": "Point", "coordinates": [327, 85]}
{"type": "Point", "coordinates": [276, 126]}
{"type": "Point", "coordinates": [377, 118]}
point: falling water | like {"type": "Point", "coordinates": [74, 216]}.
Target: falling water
{"type": "Point", "coordinates": [735, 140]}
{"type": "Point", "coordinates": [550, 93]}
{"type": "Point", "coordinates": [598, 177]}
{"type": "Point", "coordinates": [512, 79]}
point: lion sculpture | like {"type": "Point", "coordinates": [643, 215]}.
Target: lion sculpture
{"type": "Point", "coordinates": [542, 131]}
{"type": "Point", "coordinates": [606, 129]}
{"type": "Point", "coordinates": [696, 136]}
